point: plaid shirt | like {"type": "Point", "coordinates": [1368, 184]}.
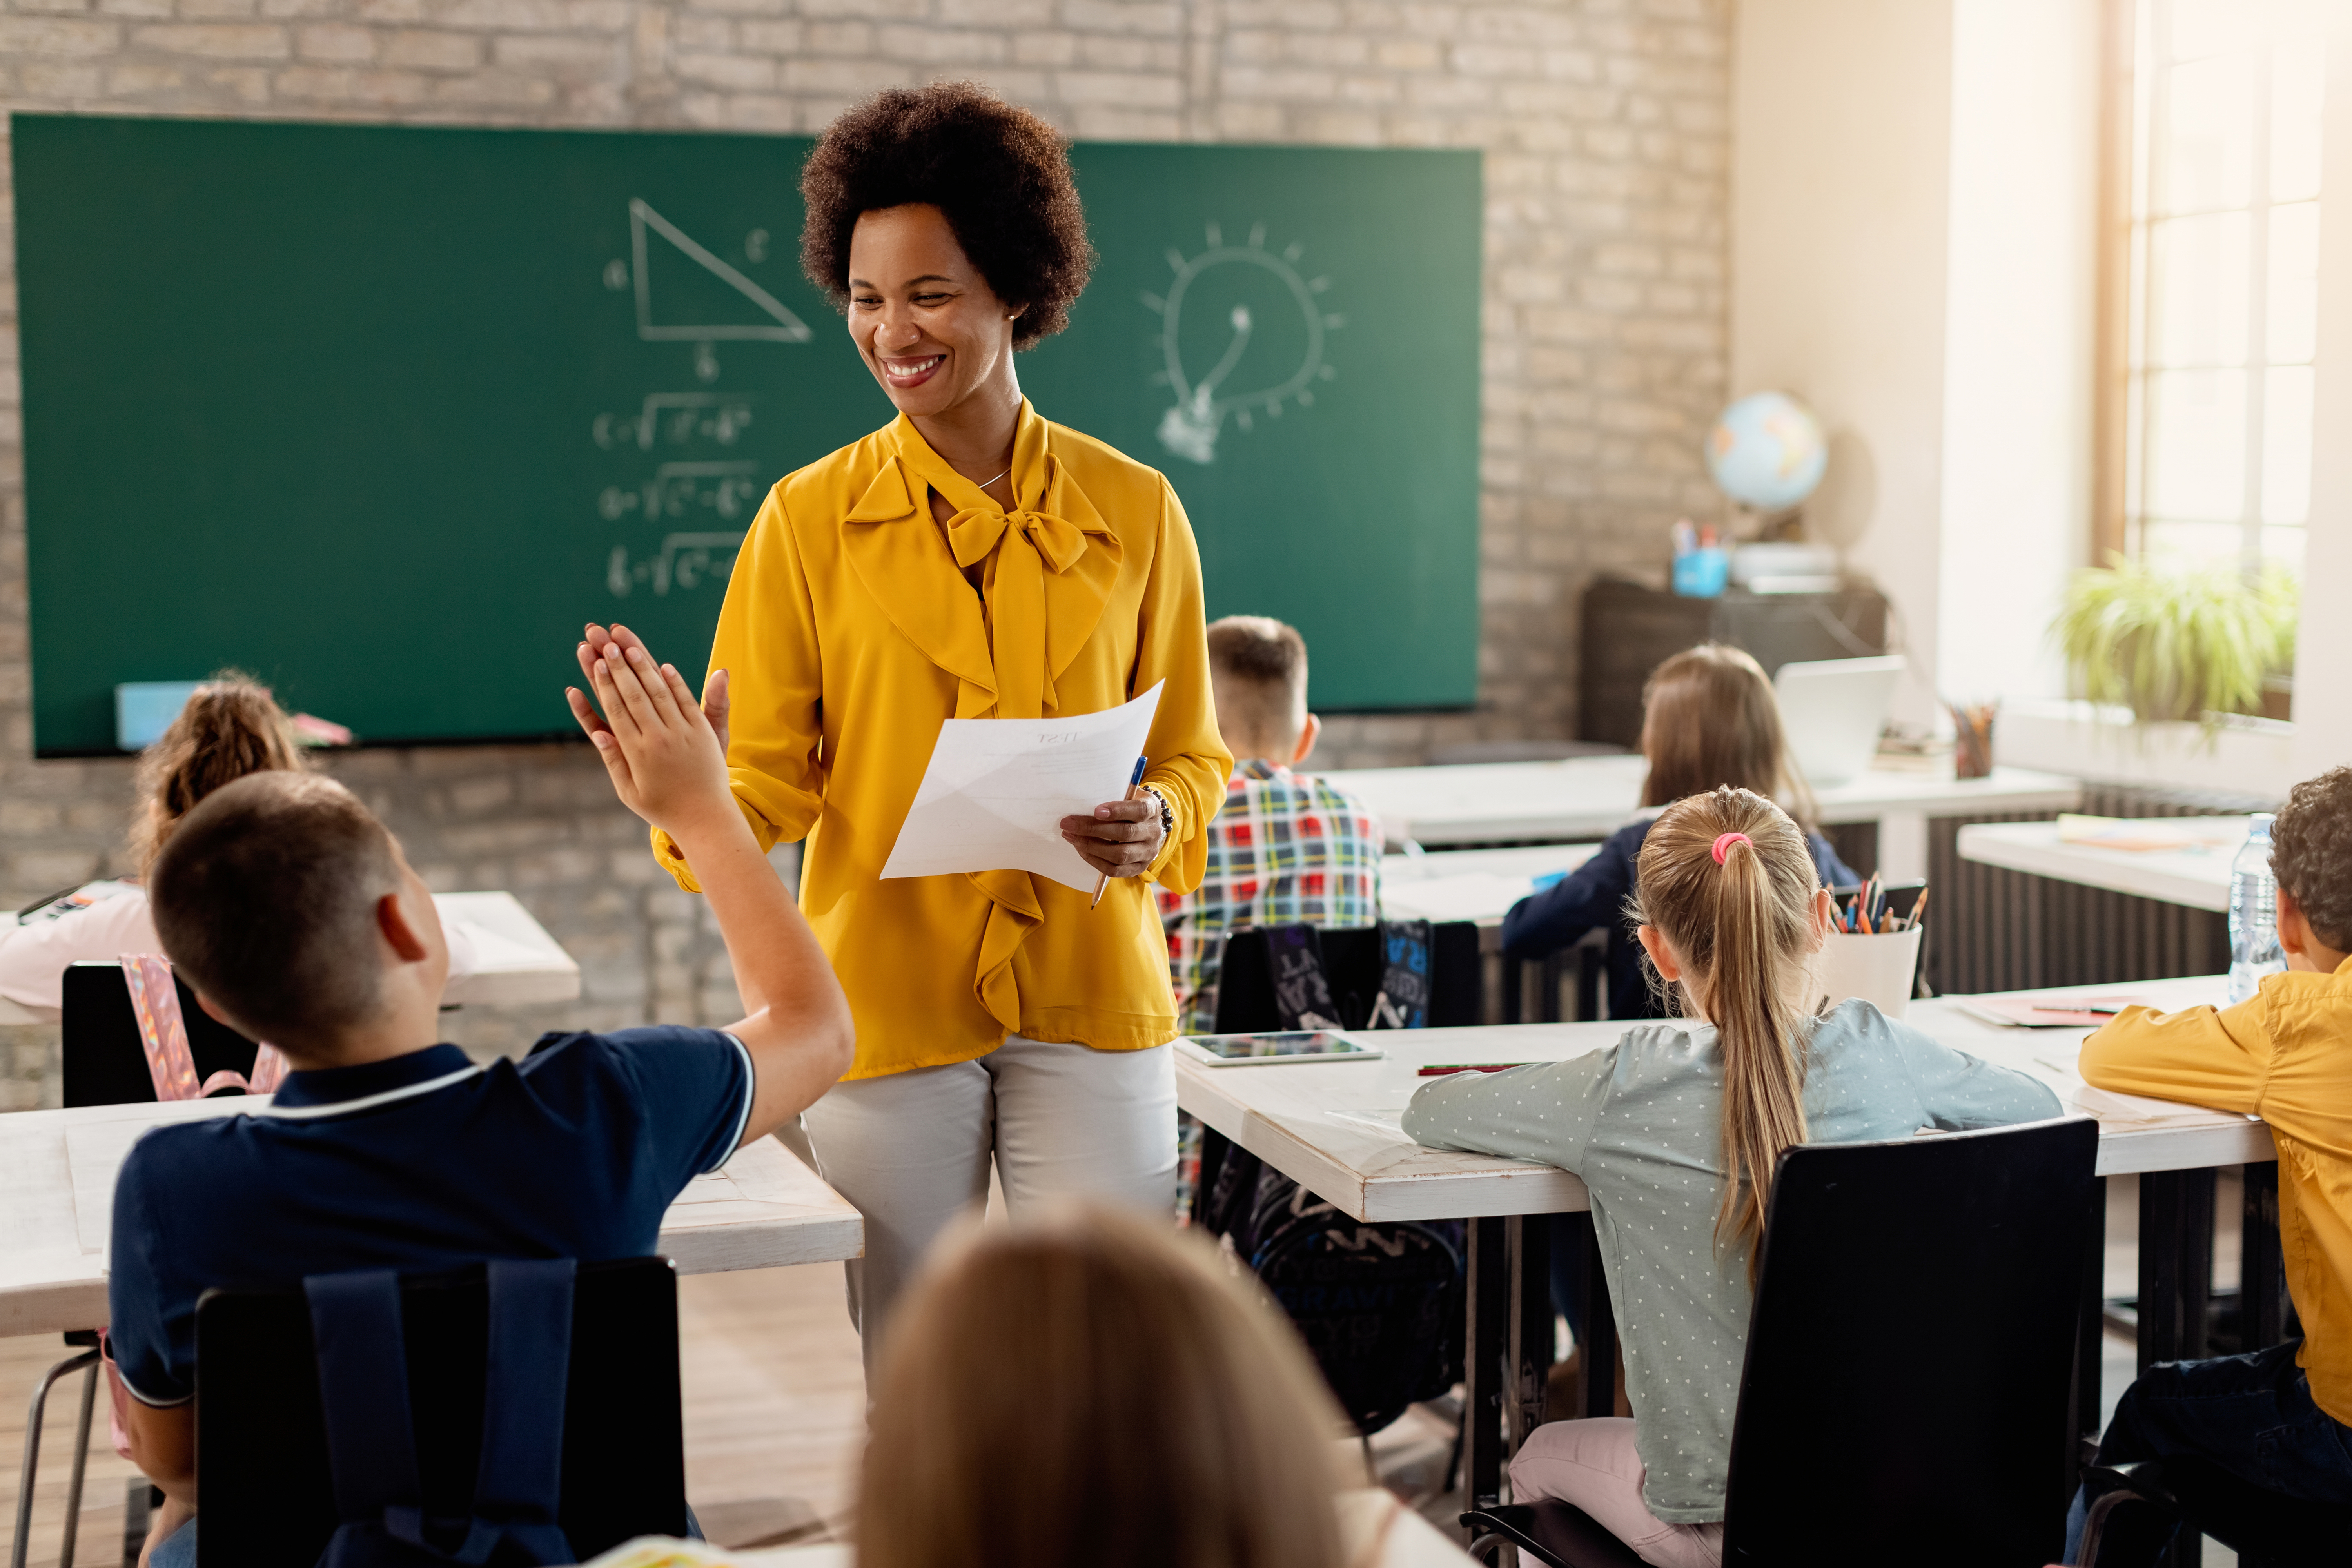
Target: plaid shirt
{"type": "Point", "coordinates": [1284, 850]}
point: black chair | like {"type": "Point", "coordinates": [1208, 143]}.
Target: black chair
{"type": "Point", "coordinates": [2265, 1528]}
{"type": "Point", "coordinates": [105, 1064]}
{"type": "Point", "coordinates": [1353, 964]}
{"type": "Point", "coordinates": [1905, 1395]}
{"type": "Point", "coordinates": [268, 1500]}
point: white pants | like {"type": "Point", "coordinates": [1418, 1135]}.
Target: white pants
{"type": "Point", "coordinates": [910, 1150]}
{"type": "Point", "coordinates": [1593, 1465]}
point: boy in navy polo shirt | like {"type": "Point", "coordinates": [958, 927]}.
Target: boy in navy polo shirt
{"type": "Point", "coordinates": [294, 916]}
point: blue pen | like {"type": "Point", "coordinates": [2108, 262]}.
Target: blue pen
{"type": "Point", "coordinates": [1134, 783]}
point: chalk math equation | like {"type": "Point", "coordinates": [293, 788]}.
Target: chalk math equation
{"type": "Point", "coordinates": [685, 291]}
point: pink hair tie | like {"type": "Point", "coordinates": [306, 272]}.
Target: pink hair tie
{"type": "Point", "coordinates": [1723, 845]}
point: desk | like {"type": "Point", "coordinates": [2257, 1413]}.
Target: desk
{"type": "Point", "coordinates": [515, 959]}
{"type": "Point", "coordinates": [764, 1210]}
{"type": "Point", "coordinates": [1332, 1128]}
{"type": "Point", "coordinates": [1590, 797]}
{"type": "Point", "coordinates": [2197, 876]}
{"type": "Point", "coordinates": [1478, 884]}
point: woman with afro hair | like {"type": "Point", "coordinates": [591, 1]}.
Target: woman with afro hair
{"type": "Point", "coordinates": [969, 560]}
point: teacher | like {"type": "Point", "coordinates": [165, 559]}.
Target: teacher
{"type": "Point", "coordinates": [969, 560]}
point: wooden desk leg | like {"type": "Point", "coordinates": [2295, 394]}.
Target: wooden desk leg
{"type": "Point", "coordinates": [1597, 1355]}
{"type": "Point", "coordinates": [1531, 1334]}
{"type": "Point", "coordinates": [1488, 1285]}
{"type": "Point", "coordinates": [2262, 1270]}
{"type": "Point", "coordinates": [2176, 1278]}
{"type": "Point", "coordinates": [2083, 1419]}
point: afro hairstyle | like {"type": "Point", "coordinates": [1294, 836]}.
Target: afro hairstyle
{"type": "Point", "coordinates": [997, 173]}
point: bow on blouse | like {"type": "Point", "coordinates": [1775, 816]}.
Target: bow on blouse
{"type": "Point", "coordinates": [1049, 565]}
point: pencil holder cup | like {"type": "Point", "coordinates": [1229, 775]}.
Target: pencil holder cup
{"type": "Point", "coordinates": [1878, 967]}
{"type": "Point", "coordinates": [1702, 574]}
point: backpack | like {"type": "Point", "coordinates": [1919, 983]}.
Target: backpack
{"type": "Point", "coordinates": [355, 1323]}
{"type": "Point", "coordinates": [1380, 1306]}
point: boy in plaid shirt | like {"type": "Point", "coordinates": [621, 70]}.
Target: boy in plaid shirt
{"type": "Point", "coordinates": [1284, 849]}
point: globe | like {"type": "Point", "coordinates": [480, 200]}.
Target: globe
{"type": "Point", "coordinates": [1766, 451]}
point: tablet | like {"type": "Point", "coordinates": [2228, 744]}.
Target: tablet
{"type": "Point", "coordinates": [1276, 1046]}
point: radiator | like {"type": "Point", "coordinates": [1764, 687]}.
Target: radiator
{"type": "Point", "coordinates": [1997, 930]}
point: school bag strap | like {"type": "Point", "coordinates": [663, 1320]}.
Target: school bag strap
{"type": "Point", "coordinates": [164, 1036]}
{"type": "Point", "coordinates": [355, 1327]}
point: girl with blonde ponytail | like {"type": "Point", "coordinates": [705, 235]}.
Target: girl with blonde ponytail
{"type": "Point", "coordinates": [231, 727]}
{"type": "Point", "coordinates": [1676, 1130]}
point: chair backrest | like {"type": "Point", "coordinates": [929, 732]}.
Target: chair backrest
{"type": "Point", "coordinates": [268, 1498]}
{"type": "Point", "coordinates": [104, 1062]}
{"type": "Point", "coordinates": [1353, 962]}
{"type": "Point", "coordinates": [1907, 1388]}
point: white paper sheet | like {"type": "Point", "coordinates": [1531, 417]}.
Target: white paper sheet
{"type": "Point", "coordinates": [997, 789]}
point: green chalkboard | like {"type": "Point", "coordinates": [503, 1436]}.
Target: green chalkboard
{"type": "Point", "coordinates": [384, 414]}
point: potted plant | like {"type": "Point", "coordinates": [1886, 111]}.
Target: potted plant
{"type": "Point", "coordinates": [2174, 645]}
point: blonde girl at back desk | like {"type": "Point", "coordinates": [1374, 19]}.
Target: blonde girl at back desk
{"type": "Point", "coordinates": [231, 727]}
{"type": "Point", "coordinates": [1676, 1129]}
{"type": "Point", "coordinates": [1709, 719]}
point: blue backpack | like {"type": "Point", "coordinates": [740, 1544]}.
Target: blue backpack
{"type": "Point", "coordinates": [355, 1323]}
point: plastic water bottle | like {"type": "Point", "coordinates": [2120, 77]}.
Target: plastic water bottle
{"type": "Point", "coordinates": [2253, 913]}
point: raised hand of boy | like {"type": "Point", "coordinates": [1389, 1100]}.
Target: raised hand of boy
{"type": "Point", "coordinates": [714, 688]}
{"type": "Point", "coordinates": [668, 764]}
{"type": "Point", "coordinates": [668, 761]}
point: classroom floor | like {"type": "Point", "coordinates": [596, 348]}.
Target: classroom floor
{"type": "Point", "coordinates": [774, 1403]}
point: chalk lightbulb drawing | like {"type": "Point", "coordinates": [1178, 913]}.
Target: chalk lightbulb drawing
{"type": "Point", "coordinates": [1190, 428]}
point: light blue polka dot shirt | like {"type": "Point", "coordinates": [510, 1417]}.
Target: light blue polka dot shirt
{"type": "Point", "coordinates": [1643, 1123]}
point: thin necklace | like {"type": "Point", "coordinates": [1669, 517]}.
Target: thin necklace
{"type": "Point", "coordinates": [993, 482]}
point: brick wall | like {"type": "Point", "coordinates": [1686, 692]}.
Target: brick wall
{"type": "Point", "coordinates": [1604, 127]}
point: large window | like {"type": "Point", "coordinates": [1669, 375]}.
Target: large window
{"type": "Point", "coordinates": [2220, 269]}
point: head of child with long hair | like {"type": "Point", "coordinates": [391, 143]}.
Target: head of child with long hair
{"type": "Point", "coordinates": [231, 727]}
{"type": "Point", "coordinates": [1731, 911]}
{"type": "Point", "coordinates": [1709, 719]}
{"type": "Point", "coordinates": [1093, 1387]}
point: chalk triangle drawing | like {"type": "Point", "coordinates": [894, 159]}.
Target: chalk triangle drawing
{"type": "Point", "coordinates": [781, 326]}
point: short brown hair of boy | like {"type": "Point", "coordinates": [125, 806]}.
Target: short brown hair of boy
{"type": "Point", "coordinates": [1093, 1387]}
{"type": "Point", "coordinates": [2311, 854]}
{"type": "Point", "coordinates": [1709, 720]}
{"type": "Point", "coordinates": [266, 899]}
{"type": "Point", "coordinates": [1258, 666]}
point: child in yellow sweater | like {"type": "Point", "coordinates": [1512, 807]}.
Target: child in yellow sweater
{"type": "Point", "coordinates": [2281, 1418]}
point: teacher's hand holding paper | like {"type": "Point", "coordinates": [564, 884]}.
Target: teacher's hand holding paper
{"type": "Point", "coordinates": [1120, 838]}
{"type": "Point", "coordinates": [1032, 795]}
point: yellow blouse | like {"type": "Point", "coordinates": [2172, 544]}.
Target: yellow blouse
{"type": "Point", "coordinates": [850, 631]}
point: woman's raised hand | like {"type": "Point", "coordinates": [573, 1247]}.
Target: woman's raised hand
{"type": "Point", "coordinates": [667, 761]}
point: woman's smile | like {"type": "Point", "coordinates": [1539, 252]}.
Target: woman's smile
{"type": "Point", "coordinates": [906, 371]}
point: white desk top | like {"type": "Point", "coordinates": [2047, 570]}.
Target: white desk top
{"type": "Point", "coordinates": [1332, 1126]}
{"type": "Point", "coordinates": [2199, 876]}
{"type": "Point", "coordinates": [1590, 797]}
{"type": "Point", "coordinates": [1470, 884]}
{"type": "Point", "coordinates": [765, 1209]}
{"type": "Point", "coordinates": [514, 959]}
